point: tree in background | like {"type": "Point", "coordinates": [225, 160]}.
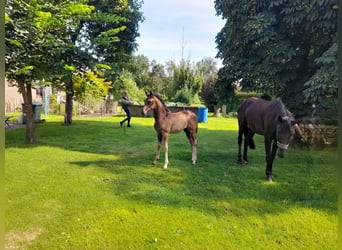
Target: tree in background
{"type": "Point", "coordinates": [187, 82]}
{"type": "Point", "coordinates": [71, 59]}
{"type": "Point", "coordinates": [58, 41]}
{"type": "Point", "coordinates": [281, 48]}
{"type": "Point", "coordinates": [322, 88]}
{"type": "Point", "coordinates": [106, 37]}
{"type": "Point", "coordinates": [208, 71]}
{"type": "Point", "coordinates": [126, 82]}
{"type": "Point", "coordinates": [178, 82]}
{"type": "Point", "coordinates": [140, 70]}
{"type": "Point", "coordinates": [207, 67]}
{"type": "Point", "coordinates": [23, 61]}
{"type": "Point", "coordinates": [157, 82]}
{"type": "Point", "coordinates": [147, 75]}
{"type": "Point", "coordinates": [112, 31]}
{"type": "Point", "coordinates": [224, 89]}
{"type": "Point", "coordinates": [34, 41]}
{"type": "Point", "coordinates": [90, 87]}
{"type": "Point", "coordinates": [208, 94]}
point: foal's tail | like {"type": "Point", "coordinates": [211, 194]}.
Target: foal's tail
{"type": "Point", "coordinates": [195, 121]}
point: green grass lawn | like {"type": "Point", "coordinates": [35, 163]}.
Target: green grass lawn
{"type": "Point", "coordinates": [91, 185]}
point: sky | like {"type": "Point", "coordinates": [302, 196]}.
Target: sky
{"type": "Point", "coordinates": [173, 26]}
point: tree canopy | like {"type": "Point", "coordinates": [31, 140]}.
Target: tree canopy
{"type": "Point", "coordinates": [112, 32]}
{"type": "Point", "coordinates": [56, 40]}
{"type": "Point", "coordinates": [37, 35]}
{"type": "Point", "coordinates": [285, 48]}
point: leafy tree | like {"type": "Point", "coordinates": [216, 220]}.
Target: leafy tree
{"type": "Point", "coordinates": [187, 82]}
{"type": "Point", "coordinates": [41, 40]}
{"type": "Point", "coordinates": [148, 75]}
{"type": "Point", "coordinates": [157, 78]}
{"type": "Point", "coordinates": [224, 88]}
{"type": "Point", "coordinates": [207, 67]}
{"type": "Point", "coordinates": [106, 36]}
{"type": "Point", "coordinates": [208, 94]}
{"type": "Point", "coordinates": [32, 45]}
{"type": "Point", "coordinates": [322, 88]}
{"type": "Point", "coordinates": [70, 58]}
{"type": "Point", "coordinates": [126, 82]}
{"type": "Point", "coordinates": [90, 86]}
{"type": "Point", "coordinates": [274, 46]}
{"type": "Point", "coordinates": [208, 71]}
{"type": "Point", "coordinates": [112, 33]}
{"type": "Point", "coordinates": [54, 41]}
{"type": "Point", "coordinates": [140, 70]}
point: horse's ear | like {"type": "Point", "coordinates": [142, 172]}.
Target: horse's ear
{"type": "Point", "coordinates": [148, 93]}
{"type": "Point", "coordinates": [283, 118]}
{"type": "Point", "coordinates": [298, 130]}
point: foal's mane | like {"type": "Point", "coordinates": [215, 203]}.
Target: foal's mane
{"type": "Point", "coordinates": [162, 102]}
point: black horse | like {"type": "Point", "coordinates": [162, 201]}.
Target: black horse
{"type": "Point", "coordinates": [268, 118]}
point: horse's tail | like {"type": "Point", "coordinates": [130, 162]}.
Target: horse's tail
{"type": "Point", "coordinates": [196, 121]}
{"type": "Point", "coordinates": [243, 126]}
{"type": "Point", "coordinates": [251, 143]}
{"type": "Point", "coordinates": [242, 109]}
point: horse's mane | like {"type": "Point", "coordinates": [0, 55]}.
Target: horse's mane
{"type": "Point", "coordinates": [162, 102]}
{"type": "Point", "coordinates": [277, 104]}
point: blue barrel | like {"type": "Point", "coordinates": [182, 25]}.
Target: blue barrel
{"type": "Point", "coordinates": [202, 114]}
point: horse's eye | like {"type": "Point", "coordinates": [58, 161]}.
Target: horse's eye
{"type": "Point", "coordinates": [149, 102]}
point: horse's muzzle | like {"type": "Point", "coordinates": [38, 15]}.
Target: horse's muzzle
{"type": "Point", "coordinates": [144, 111]}
{"type": "Point", "coordinates": [282, 149]}
{"type": "Point", "coordinates": [281, 152]}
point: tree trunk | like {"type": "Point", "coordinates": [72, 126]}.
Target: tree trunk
{"type": "Point", "coordinates": [26, 91]}
{"type": "Point", "coordinates": [69, 103]}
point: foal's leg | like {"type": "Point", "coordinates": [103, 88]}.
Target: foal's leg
{"type": "Point", "coordinates": [193, 142]}
{"type": "Point", "coordinates": [194, 149]}
{"type": "Point", "coordinates": [160, 139]}
{"type": "Point", "coordinates": [166, 148]}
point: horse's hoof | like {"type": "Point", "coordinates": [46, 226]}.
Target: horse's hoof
{"type": "Point", "coordinates": [246, 162]}
{"type": "Point", "coordinates": [239, 162]}
{"type": "Point", "coordinates": [193, 162]}
{"type": "Point", "coordinates": [269, 178]}
{"type": "Point", "coordinates": [165, 167]}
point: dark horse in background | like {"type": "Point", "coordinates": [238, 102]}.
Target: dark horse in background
{"type": "Point", "coordinates": [270, 119]}
{"type": "Point", "coordinates": [166, 122]}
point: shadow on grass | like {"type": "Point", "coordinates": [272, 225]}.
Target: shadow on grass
{"type": "Point", "coordinates": [216, 185]}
